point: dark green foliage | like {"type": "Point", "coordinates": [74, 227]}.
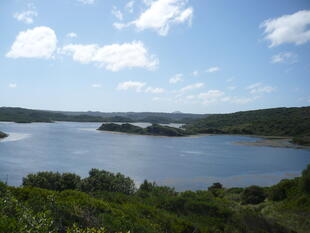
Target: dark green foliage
{"type": "Point", "coordinates": [216, 189]}
{"type": "Point", "coordinates": [152, 209]}
{"type": "Point", "coordinates": [3, 135]}
{"type": "Point", "coordinates": [253, 195]}
{"type": "Point", "coordinates": [154, 129]}
{"type": "Point", "coordinates": [273, 122]}
{"type": "Point", "coordinates": [148, 189]}
{"type": "Point", "coordinates": [282, 190]}
{"type": "Point", "coordinates": [22, 115]}
{"type": "Point", "coordinates": [160, 130]}
{"type": "Point", "coordinates": [215, 186]}
{"type": "Point", "coordinates": [305, 180]}
{"type": "Point", "coordinates": [117, 119]}
{"type": "Point", "coordinates": [52, 181]}
{"type": "Point", "coordinates": [100, 180]}
{"type": "Point", "coordinates": [124, 128]}
{"type": "Point", "coordinates": [302, 140]}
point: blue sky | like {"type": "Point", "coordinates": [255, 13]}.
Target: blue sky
{"type": "Point", "coordinates": [196, 56]}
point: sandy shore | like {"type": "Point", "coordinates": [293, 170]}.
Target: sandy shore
{"type": "Point", "coordinates": [274, 142]}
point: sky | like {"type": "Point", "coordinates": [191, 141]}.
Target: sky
{"type": "Point", "coordinates": [195, 56]}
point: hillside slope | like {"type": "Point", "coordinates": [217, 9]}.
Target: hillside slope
{"type": "Point", "coordinates": [268, 122]}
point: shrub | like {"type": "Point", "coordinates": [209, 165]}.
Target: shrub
{"type": "Point", "coordinates": [100, 180]}
{"type": "Point", "coordinates": [52, 181]}
{"type": "Point", "coordinates": [305, 180]}
{"type": "Point", "coordinates": [253, 195]}
{"type": "Point", "coordinates": [215, 189]}
{"type": "Point", "coordinates": [281, 190]}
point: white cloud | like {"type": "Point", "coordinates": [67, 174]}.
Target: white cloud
{"type": "Point", "coordinates": [185, 15]}
{"type": "Point", "coordinates": [95, 85]}
{"type": "Point", "coordinates": [26, 16]}
{"type": "Point", "coordinates": [192, 87]}
{"type": "Point", "coordinates": [292, 28]}
{"type": "Point", "coordinates": [119, 26]}
{"type": "Point", "coordinates": [239, 100]}
{"type": "Point", "coordinates": [71, 35]}
{"type": "Point", "coordinates": [12, 85]}
{"type": "Point", "coordinates": [39, 42]}
{"type": "Point", "coordinates": [217, 96]}
{"type": "Point", "coordinates": [211, 96]}
{"type": "Point", "coordinates": [124, 86]}
{"type": "Point", "coordinates": [195, 73]}
{"type": "Point", "coordinates": [117, 13]}
{"type": "Point", "coordinates": [161, 15]}
{"type": "Point", "coordinates": [113, 57]}
{"type": "Point", "coordinates": [154, 90]}
{"type": "Point", "coordinates": [87, 2]}
{"type": "Point", "coordinates": [231, 88]}
{"type": "Point", "coordinates": [259, 88]}
{"type": "Point", "coordinates": [214, 97]}
{"type": "Point", "coordinates": [213, 69]}
{"type": "Point", "coordinates": [176, 78]}
{"type": "Point", "coordinates": [285, 57]}
{"type": "Point", "coordinates": [190, 97]}
{"type": "Point", "coordinates": [129, 6]}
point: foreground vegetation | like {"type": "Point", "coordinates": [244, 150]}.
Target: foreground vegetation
{"type": "Point", "coordinates": [3, 135]}
{"type": "Point", "coordinates": [154, 129]}
{"type": "Point", "coordinates": [107, 202]}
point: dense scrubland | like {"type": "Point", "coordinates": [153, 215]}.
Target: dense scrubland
{"type": "Point", "coordinates": [267, 122]}
{"type": "Point", "coordinates": [108, 202]}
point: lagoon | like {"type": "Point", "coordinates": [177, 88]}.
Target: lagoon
{"type": "Point", "coordinates": [183, 162]}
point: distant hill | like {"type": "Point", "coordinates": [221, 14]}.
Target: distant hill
{"type": "Point", "coordinates": [22, 115]}
{"type": "Point", "coordinates": [139, 116]}
{"type": "Point", "coordinates": [273, 122]}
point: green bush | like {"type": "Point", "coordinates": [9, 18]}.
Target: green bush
{"type": "Point", "coordinates": [305, 179]}
{"type": "Point", "coordinates": [253, 195]}
{"type": "Point", "coordinates": [281, 190]}
{"type": "Point", "coordinates": [52, 181]}
{"type": "Point", "coordinates": [100, 180]}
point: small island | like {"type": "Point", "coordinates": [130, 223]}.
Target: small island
{"type": "Point", "coordinates": [154, 129]}
{"type": "Point", "coordinates": [3, 135]}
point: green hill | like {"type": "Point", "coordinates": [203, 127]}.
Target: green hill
{"type": "Point", "coordinates": [267, 122]}
{"type": "Point", "coordinates": [22, 115]}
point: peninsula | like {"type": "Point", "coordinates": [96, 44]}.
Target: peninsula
{"type": "Point", "coordinates": [3, 135]}
{"type": "Point", "coordinates": [154, 129]}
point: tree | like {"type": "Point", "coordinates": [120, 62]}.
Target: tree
{"type": "Point", "coordinates": [52, 180]}
{"type": "Point", "coordinates": [253, 195]}
{"type": "Point", "coordinates": [305, 179]}
{"type": "Point", "coordinates": [101, 180]}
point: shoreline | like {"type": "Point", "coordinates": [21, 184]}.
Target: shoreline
{"type": "Point", "coordinates": [280, 142]}
{"type": "Point", "coordinates": [267, 141]}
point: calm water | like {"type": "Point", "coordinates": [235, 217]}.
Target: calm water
{"type": "Point", "coordinates": [185, 163]}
